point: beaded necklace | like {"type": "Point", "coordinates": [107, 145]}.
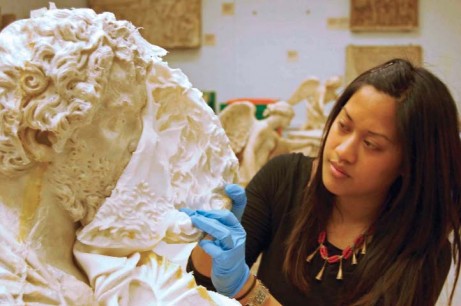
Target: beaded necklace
{"type": "Point", "coordinates": [360, 245]}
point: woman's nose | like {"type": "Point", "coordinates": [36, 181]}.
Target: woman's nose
{"type": "Point", "coordinates": [346, 150]}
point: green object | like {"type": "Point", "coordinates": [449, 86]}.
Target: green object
{"type": "Point", "coordinates": [210, 99]}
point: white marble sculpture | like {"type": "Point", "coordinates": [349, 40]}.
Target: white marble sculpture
{"type": "Point", "coordinates": [256, 141]}
{"type": "Point", "coordinates": [318, 99]}
{"type": "Point", "coordinates": [100, 143]}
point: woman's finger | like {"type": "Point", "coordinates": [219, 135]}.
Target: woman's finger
{"type": "Point", "coordinates": [215, 229]}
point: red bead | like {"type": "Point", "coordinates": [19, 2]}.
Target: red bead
{"type": "Point", "coordinates": [322, 236]}
{"type": "Point", "coordinates": [347, 252]}
{"type": "Point", "coordinates": [323, 252]}
{"type": "Point", "coordinates": [334, 258]}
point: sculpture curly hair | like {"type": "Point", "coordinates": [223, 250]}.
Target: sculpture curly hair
{"type": "Point", "coordinates": [53, 70]}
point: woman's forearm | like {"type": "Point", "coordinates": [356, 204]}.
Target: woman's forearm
{"type": "Point", "coordinates": [255, 293]}
{"type": "Point", "coordinates": [202, 264]}
{"type": "Point", "coordinates": [201, 261]}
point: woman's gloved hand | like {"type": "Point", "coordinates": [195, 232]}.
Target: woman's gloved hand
{"type": "Point", "coordinates": [229, 270]}
{"type": "Point", "coordinates": [239, 199]}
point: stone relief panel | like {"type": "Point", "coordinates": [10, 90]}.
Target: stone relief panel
{"type": "Point", "coordinates": [361, 58]}
{"type": "Point", "coordinates": [378, 15]}
{"type": "Point", "coordinates": [168, 24]}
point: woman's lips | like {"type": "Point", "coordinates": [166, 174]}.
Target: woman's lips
{"type": "Point", "coordinates": [337, 171]}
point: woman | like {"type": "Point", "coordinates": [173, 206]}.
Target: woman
{"type": "Point", "coordinates": [368, 221]}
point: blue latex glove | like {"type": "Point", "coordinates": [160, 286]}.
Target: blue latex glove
{"type": "Point", "coordinates": [239, 199]}
{"type": "Point", "coordinates": [229, 270]}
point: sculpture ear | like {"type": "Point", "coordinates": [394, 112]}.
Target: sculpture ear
{"type": "Point", "coordinates": [37, 144]}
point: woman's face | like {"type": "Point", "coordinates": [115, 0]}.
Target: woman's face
{"type": "Point", "coordinates": [362, 155]}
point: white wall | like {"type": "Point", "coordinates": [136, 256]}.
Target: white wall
{"type": "Point", "coordinates": [250, 55]}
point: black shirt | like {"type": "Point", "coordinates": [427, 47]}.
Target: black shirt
{"type": "Point", "coordinates": [274, 194]}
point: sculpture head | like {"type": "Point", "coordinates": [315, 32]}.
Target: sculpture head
{"type": "Point", "coordinates": [71, 90]}
{"type": "Point", "coordinates": [280, 112]}
{"type": "Point", "coordinates": [77, 91]}
{"type": "Point", "coordinates": [55, 77]}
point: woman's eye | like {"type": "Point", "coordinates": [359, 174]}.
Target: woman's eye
{"type": "Point", "coordinates": [343, 127]}
{"type": "Point", "coordinates": [370, 145]}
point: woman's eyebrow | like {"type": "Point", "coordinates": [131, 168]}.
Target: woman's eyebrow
{"type": "Point", "coordinates": [368, 131]}
{"type": "Point", "coordinates": [347, 114]}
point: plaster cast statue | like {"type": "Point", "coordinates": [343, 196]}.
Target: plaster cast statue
{"type": "Point", "coordinates": [101, 143]}
{"type": "Point", "coordinates": [256, 141]}
{"type": "Point", "coordinates": [317, 97]}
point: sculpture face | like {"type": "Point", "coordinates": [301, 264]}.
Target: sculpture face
{"type": "Point", "coordinates": [100, 151]}
{"type": "Point", "coordinates": [281, 121]}
{"type": "Point", "coordinates": [72, 90]}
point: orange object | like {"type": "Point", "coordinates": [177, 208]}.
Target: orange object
{"type": "Point", "coordinates": [256, 101]}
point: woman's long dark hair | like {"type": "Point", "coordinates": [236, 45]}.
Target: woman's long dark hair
{"type": "Point", "coordinates": [423, 205]}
